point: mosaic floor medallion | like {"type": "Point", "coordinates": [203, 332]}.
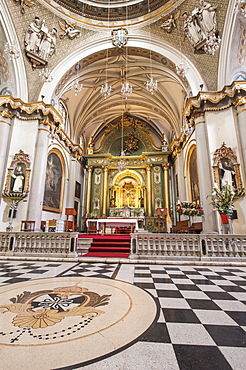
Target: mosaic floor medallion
{"type": "Point", "coordinates": [78, 318]}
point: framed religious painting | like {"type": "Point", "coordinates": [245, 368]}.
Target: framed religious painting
{"type": "Point", "coordinates": [54, 182]}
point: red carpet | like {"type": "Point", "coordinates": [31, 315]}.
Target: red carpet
{"type": "Point", "coordinates": [117, 246]}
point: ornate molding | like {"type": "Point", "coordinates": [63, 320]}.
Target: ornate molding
{"type": "Point", "coordinates": [228, 96]}
{"type": "Point", "coordinates": [46, 114]}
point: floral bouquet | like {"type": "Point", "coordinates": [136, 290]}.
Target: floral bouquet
{"type": "Point", "coordinates": [189, 209]}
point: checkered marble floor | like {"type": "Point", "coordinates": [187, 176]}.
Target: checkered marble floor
{"type": "Point", "coordinates": [201, 320]}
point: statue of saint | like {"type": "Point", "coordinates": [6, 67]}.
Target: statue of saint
{"type": "Point", "coordinates": [192, 29]}
{"type": "Point", "coordinates": [17, 180]}
{"type": "Point", "coordinates": [48, 43]}
{"type": "Point", "coordinates": [33, 35]}
{"type": "Point", "coordinates": [207, 18]}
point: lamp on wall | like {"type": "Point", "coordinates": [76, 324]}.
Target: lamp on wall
{"type": "Point", "coordinates": [106, 89]}
{"type": "Point", "coordinates": [151, 85]}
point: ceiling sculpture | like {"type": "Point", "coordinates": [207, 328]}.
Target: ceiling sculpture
{"type": "Point", "coordinates": [84, 31]}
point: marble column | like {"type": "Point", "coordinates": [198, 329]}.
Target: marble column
{"type": "Point", "coordinates": [241, 114]}
{"type": "Point", "coordinates": [105, 191]}
{"type": "Point", "coordinates": [88, 195]}
{"type": "Point", "coordinates": [38, 175]}
{"type": "Point", "coordinates": [210, 224]}
{"type": "Point", "coordinates": [5, 126]}
{"type": "Point", "coordinates": [149, 190]}
{"type": "Point", "coordinates": [166, 186]}
{"type": "Point", "coordinates": [71, 187]}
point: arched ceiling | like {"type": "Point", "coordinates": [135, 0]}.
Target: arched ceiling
{"type": "Point", "coordinates": [89, 111]}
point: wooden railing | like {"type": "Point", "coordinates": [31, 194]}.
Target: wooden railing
{"type": "Point", "coordinates": [38, 244]}
{"type": "Point", "coordinates": [187, 245]}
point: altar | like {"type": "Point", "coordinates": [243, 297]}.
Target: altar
{"type": "Point", "coordinates": [103, 223]}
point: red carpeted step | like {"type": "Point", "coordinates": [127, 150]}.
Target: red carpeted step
{"type": "Point", "coordinates": [107, 255]}
{"type": "Point", "coordinates": [108, 245]}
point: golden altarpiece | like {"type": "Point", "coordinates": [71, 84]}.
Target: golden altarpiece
{"type": "Point", "coordinates": [128, 171]}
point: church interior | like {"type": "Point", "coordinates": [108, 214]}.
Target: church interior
{"type": "Point", "coordinates": [127, 118]}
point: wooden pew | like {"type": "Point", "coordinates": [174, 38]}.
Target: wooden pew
{"type": "Point", "coordinates": [180, 227]}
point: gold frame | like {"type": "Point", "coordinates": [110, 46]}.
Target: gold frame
{"type": "Point", "coordinates": [226, 152]}
{"type": "Point", "coordinates": [20, 159]}
{"type": "Point", "coordinates": [62, 162]}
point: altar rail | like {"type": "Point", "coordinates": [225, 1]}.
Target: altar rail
{"type": "Point", "coordinates": [38, 244]}
{"type": "Point", "coordinates": [188, 245]}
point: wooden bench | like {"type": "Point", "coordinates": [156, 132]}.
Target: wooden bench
{"type": "Point", "coordinates": [195, 228]}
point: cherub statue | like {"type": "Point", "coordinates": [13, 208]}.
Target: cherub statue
{"type": "Point", "coordinates": [169, 21]}
{"type": "Point", "coordinates": [69, 30]}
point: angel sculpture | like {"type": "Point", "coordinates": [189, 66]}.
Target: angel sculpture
{"type": "Point", "coordinates": [69, 30]}
{"type": "Point", "coordinates": [169, 21]}
{"type": "Point", "coordinates": [22, 3]}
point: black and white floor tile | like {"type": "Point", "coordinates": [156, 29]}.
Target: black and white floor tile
{"type": "Point", "coordinates": [201, 312]}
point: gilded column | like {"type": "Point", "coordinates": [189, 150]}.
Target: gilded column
{"type": "Point", "coordinates": [105, 191]}
{"type": "Point", "coordinates": [88, 195]}
{"type": "Point", "coordinates": [166, 186]}
{"type": "Point", "coordinates": [149, 190]}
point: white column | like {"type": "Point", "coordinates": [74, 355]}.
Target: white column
{"type": "Point", "coordinates": [205, 175]}
{"type": "Point", "coordinates": [4, 142]}
{"type": "Point", "coordinates": [35, 205]}
{"type": "Point", "coordinates": [71, 187]}
{"type": "Point", "coordinates": [241, 114]}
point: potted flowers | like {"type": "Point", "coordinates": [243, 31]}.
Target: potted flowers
{"type": "Point", "coordinates": [222, 200]}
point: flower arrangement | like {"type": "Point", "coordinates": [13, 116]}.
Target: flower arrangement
{"type": "Point", "coordinates": [189, 209]}
{"type": "Point", "coordinates": [222, 200]}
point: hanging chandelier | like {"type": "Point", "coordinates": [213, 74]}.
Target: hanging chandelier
{"type": "Point", "coordinates": [12, 50]}
{"type": "Point", "coordinates": [212, 44]}
{"type": "Point", "coordinates": [151, 85]}
{"type": "Point", "coordinates": [122, 162]}
{"type": "Point", "coordinates": [126, 89]}
{"type": "Point", "coordinates": [76, 86]}
{"type": "Point", "coordinates": [106, 89]}
{"type": "Point", "coordinates": [182, 68]}
{"type": "Point", "coordinates": [45, 74]}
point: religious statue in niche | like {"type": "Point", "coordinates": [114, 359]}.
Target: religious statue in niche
{"type": "Point", "coordinates": [17, 183]}
{"type": "Point", "coordinates": [201, 26]}
{"type": "Point", "coordinates": [69, 30]}
{"type": "Point", "coordinates": [169, 21]}
{"type": "Point", "coordinates": [22, 3]}
{"type": "Point", "coordinates": [226, 170]}
{"type": "Point", "coordinates": [40, 43]}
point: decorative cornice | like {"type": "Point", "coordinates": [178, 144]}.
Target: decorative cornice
{"type": "Point", "coordinates": [235, 91]}
{"type": "Point", "coordinates": [46, 114]}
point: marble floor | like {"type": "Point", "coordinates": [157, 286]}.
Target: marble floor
{"type": "Point", "coordinates": [98, 316]}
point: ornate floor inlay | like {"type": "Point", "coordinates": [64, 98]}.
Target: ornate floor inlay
{"type": "Point", "coordinates": [78, 318]}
